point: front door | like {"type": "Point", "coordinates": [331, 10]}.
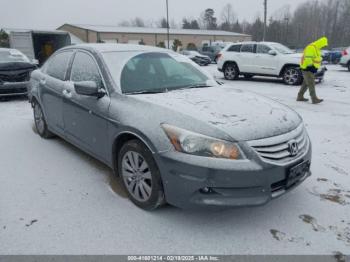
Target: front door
{"type": "Point", "coordinates": [85, 117]}
{"type": "Point", "coordinates": [265, 63]}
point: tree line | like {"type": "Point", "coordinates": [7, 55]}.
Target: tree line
{"type": "Point", "coordinates": [309, 21]}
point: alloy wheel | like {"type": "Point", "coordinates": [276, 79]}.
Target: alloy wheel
{"type": "Point", "coordinates": [39, 119]}
{"type": "Point", "coordinates": [230, 72]}
{"type": "Point", "coordinates": [137, 176]}
{"type": "Point", "coordinates": [291, 76]}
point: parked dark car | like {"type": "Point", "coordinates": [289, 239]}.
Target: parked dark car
{"type": "Point", "coordinates": [211, 51]}
{"type": "Point", "coordinates": [332, 56]}
{"type": "Point", "coordinates": [196, 57]}
{"type": "Point", "coordinates": [168, 129]}
{"type": "Point", "coordinates": [15, 69]}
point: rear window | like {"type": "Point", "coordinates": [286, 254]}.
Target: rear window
{"type": "Point", "coordinates": [235, 48]}
{"type": "Point", "coordinates": [249, 48]}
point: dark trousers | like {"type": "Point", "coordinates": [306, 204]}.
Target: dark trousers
{"type": "Point", "coordinates": [308, 83]}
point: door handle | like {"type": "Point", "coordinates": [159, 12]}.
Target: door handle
{"type": "Point", "coordinates": [67, 94]}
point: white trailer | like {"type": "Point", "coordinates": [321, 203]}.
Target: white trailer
{"type": "Point", "coordinates": [31, 42]}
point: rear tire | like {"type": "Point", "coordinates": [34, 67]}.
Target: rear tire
{"type": "Point", "coordinates": [40, 122]}
{"type": "Point", "coordinates": [231, 71]}
{"type": "Point", "coordinates": [349, 66]}
{"type": "Point", "coordinates": [140, 175]}
{"type": "Point", "coordinates": [292, 76]}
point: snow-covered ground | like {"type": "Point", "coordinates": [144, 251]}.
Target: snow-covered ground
{"type": "Point", "coordinates": [54, 199]}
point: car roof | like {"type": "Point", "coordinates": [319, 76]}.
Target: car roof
{"type": "Point", "coordinates": [102, 47]}
{"type": "Point", "coordinates": [253, 42]}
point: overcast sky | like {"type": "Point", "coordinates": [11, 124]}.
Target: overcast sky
{"type": "Point", "coordinates": [49, 14]}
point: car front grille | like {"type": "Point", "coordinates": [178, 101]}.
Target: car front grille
{"type": "Point", "coordinates": [277, 149]}
{"type": "Point", "coordinates": [12, 78]}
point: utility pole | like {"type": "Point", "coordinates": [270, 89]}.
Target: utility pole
{"type": "Point", "coordinates": [167, 23]}
{"type": "Point", "coordinates": [287, 30]}
{"type": "Point", "coordinates": [265, 19]}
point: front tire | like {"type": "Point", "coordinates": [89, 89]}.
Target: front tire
{"type": "Point", "coordinates": [40, 122]}
{"type": "Point", "coordinates": [140, 175]}
{"type": "Point", "coordinates": [292, 76]}
{"type": "Point", "coordinates": [231, 71]}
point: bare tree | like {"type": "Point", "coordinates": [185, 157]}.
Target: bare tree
{"type": "Point", "coordinates": [228, 16]}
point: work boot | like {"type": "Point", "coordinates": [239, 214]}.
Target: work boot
{"type": "Point", "coordinates": [302, 99]}
{"type": "Point", "coordinates": [317, 100]}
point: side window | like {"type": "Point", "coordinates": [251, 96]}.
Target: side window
{"type": "Point", "coordinates": [263, 49]}
{"type": "Point", "coordinates": [235, 48]}
{"type": "Point", "coordinates": [84, 68]}
{"type": "Point", "coordinates": [249, 48]}
{"type": "Point", "coordinates": [57, 66]}
{"type": "Point", "coordinates": [205, 49]}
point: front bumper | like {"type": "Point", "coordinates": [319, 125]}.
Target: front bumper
{"type": "Point", "coordinates": [13, 88]}
{"type": "Point", "coordinates": [230, 183]}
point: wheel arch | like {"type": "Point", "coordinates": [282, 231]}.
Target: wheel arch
{"type": "Point", "coordinates": [286, 66]}
{"type": "Point", "coordinates": [230, 62]}
{"type": "Point", "coordinates": [121, 139]}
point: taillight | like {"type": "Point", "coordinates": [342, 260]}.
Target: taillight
{"type": "Point", "coordinates": [345, 52]}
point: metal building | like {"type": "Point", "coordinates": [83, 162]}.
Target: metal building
{"type": "Point", "coordinates": [150, 36]}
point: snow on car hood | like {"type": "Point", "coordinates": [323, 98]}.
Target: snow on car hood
{"type": "Point", "coordinates": [242, 115]}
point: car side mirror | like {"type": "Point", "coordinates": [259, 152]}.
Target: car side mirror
{"type": "Point", "coordinates": [88, 88]}
{"type": "Point", "coordinates": [272, 52]}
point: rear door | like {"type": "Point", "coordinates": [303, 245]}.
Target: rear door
{"type": "Point", "coordinates": [264, 62]}
{"type": "Point", "coordinates": [246, 61]}
{"type": "Point", "coordinates": [85, 117]}
{"type": "Point", "coordinates": [52, 81]}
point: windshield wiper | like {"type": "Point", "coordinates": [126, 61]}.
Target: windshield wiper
{"type": "Point", "coordinates": [192, 86]}
{"type": "Point", "coordinates": [156, 91]}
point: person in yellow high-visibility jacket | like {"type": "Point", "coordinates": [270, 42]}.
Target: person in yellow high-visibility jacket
{"type": "Point", "coordinates": [310, 63]}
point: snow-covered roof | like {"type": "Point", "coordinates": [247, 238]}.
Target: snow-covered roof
{"type": "Point", "coordinates": [102, 47]}
{"type": "Point", "coordinates": [149, 30]}
{"type": "Point", "coordinates": [36, 30]}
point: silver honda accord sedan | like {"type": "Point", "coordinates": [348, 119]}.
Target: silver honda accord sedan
{"type": "Point", "coordinates": [168, 129]}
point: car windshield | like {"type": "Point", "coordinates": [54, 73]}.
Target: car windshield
{"type": "Point", "coordinates": [282, 49]}
{"type": "Point", "coordinates": [12, 56]}
{"type": "Point", "coordinates": [156, 72]}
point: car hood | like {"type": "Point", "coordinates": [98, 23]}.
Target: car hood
{"type": "Point", "coordinates": [242, 115]}
{"type": "Point", "coordinates": [295, 55]}
{"type": "Point", "coordinates": [10, 66]}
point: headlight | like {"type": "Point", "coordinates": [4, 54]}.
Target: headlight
{"type": "Point", "coordinates": [196, 144]}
